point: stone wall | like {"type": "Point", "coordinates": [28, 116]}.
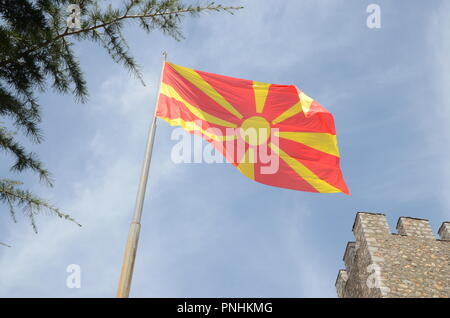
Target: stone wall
{"type": "Point", "coordinates": [412, 263]}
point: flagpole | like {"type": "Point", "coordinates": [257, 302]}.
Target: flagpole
{"type": "Point", "coordinates": [129, 257]}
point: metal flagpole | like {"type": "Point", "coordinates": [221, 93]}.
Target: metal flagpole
{"type": "Point", "coordinates": [133, 236]}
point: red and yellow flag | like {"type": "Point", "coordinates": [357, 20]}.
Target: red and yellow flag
{"type": "Point", "coordinates": [253, 123]}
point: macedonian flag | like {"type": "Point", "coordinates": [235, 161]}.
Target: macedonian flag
{"type": "Point", "coordinates": [273, 134]}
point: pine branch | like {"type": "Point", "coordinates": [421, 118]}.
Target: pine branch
{"type": "Point", "coordinates": [24, 160]}
{"type": "Point", "coordinates": [193, 10]}
{"type": "Point", "coordinates": [74, 71]}
{"type": "Point", "coordinates": [25, 113]}
{"type": "Point", "coordinates": [30, 204]}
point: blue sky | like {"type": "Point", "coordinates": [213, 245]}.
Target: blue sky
{"type": "Point", "coordinates": [207, 231]}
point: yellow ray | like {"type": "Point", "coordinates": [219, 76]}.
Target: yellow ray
{"type": "Point", "coordinates": [192, 126]}
{"type": "Point", "coordinates": [320, 185]}
{"type": "Point", "coordinates": [170, 92]}
{"type": "Point", "coordinates": [320, 141]}
{"type": "Point", "coordinates": [303, 105]}
{"type": "Point", "coordinates": [294, 110]}
{"type": "Point", "coordinates": [261, 90]}
{"type": "Point", "coordinates": [195, 78]}
{"type": "Point", "coordinates": [247, 164]}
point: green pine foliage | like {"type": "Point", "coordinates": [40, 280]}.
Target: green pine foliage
{"type": "Point", "coordinates": [36, 54]}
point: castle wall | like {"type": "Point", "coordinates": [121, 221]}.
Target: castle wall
{"type": "Point", "coordinates": [410, 263]}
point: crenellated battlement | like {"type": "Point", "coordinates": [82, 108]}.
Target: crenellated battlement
{"type": "Point", "coordinates": [409, 263]}
{"type": "Point", "coordinates": [372, 225]}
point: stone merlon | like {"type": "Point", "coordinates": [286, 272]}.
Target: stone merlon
{"type": "Point", "coordinates": [444, 231]}
{"type": "Point", "coordinates": [414, 227]}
